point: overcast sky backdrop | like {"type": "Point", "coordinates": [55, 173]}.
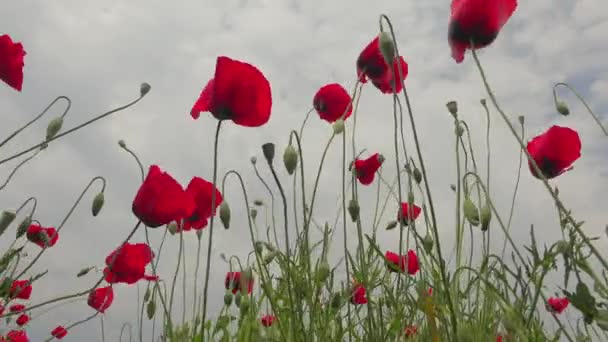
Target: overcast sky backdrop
{"type": "Point", "coordinates": [98, 53]}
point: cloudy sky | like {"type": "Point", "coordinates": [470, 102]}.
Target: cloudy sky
{"type": "Point", "coordinates": [98, 53]}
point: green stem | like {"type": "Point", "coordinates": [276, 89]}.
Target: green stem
{"type": "Point", "coordinates": [580, 98]}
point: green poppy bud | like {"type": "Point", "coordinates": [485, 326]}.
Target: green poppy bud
{"type": "Point", "coordinates": [562, 108]}
{"type": "Point", "coordinates": [54, 127]}
{"type": "Point", "coordinates": [144, 88]}
{"type": "Point", "coordinates": [151, 309]}
{"type": "Point", "coordinates": [228, 298]}
{"type": "Point", "coordinates": [290, 159]}
{"type": "Point", "coordinates": [97, 203]}
{"type": "Point", "coordinates": [387, 47]}
{"type": "Point", "coordinates": [485, 216]}
{"type": "Point", "coordinates": [470, 211]}
{"type": "Point", "coordinates": [353, 209]}
{"type": "Point", "coordinates": [338, 126]}
{"type": "Point", "coordinates": [23, 226]}
{"type": "Point", "coordinates": [225, 214]}
{"type": "Point", "coordinates": [391, 225]}
{"type": "Point", "coordinates": [6, 218]}
{"type": "Point", "coordinates": [322, 272]}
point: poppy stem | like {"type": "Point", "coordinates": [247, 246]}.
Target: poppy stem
{"type": "Point", "coordinates": [274, 227]}
{"type": "Point", "coordinates": [521, 154]}
{"type": "Point", "coordinates": [582, 100]}
{"type": "Point", "coordinates": [10, 176]}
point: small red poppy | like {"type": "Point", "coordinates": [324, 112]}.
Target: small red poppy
{"type": "Point", "coordinates": [499, 338]}
{"type": "Point", "coordinates": [129, 264]}
{"type": "Point", "coordinates": [557, 305]}
{"type": "Point", "coordinates": [476, 20]}
{"type": "Point", "coordinates": [410, 331]}
{"type": "Point", "coordinates": [332, 102]}
{"type": "Point", "coordinates": [404, 213]}
{"type": "Point", "coordinates": [268, 320]}
{"type": "Point", "coordinates": [23, 319]}
{"type": "Point", "coordinates": [385, 83]}
{"type": "Point", "coordinates": [372, 65]}
{"type": "Point", "coordinates": [101, 298]}
{"type": "Point", "coordinates": [59, 332]}
{"type": "Point", "coordinates": [15, 336]}
{"type": "Point", "coordinates": [238, 280]}
{"type": "Point", "coordinates": [365, 169]}
{"type": "Point", "coordinates": [238, 92]}
{"type": "Point", "coordinates": [554, 151]}
{"type": "Point", "coordinates": [43, 237]}
{"type": "Point", "coordinates": [11, 62]}
{"type": "Point", "coordinates": [161, 200]}
{"type": "Point", "coordinates": [359, 295]}
{"type": "Point", "coordinates": [201, 192]}
{"type": "Point", "coordinates": [16, 307]}
{"type": "Point", "coordinates": [396, 262]}
{"type": "Point", "coordinates": [21, 289]}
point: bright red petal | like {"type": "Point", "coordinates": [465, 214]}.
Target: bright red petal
{"type": "Point", "coordinates": [204, 102]}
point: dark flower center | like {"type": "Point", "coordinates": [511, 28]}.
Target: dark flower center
{"type": "Point", "coordinates": [477, 33]}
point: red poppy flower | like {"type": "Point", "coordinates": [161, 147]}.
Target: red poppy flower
{"type": "Point", "coordinates": [358, 296]}
{"type": "Point", "coordinates": [372, 65]}
{"type": "Point", "coordinates": [23, 319]}
{"type": "Point", "coordinates": [238, 92]}
{"type": "Point", "coordinates": [332, 102]}
{"type": "Point", "coordinates": [476, 20]}
{"type": "Point", "coordinates": [366, 168]}
{"type": "Point", "coordinates": [42, 236]}
{"type": "Point", "coordinates": [101, 298]}
{"type": "Point", "coordinates": [499, 338]}
{"type": "Point", "coordinates": [554, 151]}
{"type": "Point", "coordinates": [405, 213]}
{"type": "Point", "coordinates": [11, 62]}
{"type": "Point", "coordinates": [16, 307]}
{"type": "Point", "coordinates": [410, 331]}
{"type": "Point", "coordinates": [237, 280]}
{"type": "Point", "coordinates": [129, 265]}
{"type": "Point", "coordinates": [161, 200]}
{"type": "Point", "coordinates": [21, 289]}
{"type": "Point", "coordinates": [399, 262]}
{"type": "Point", "coordinates": [557, 305]}
{"type": "Point", "coordinates": [268, 320]}
{"type": "Point", "coordinates": [201, 191]}
{"type": "Point", "coordinates": [15, 336]}
{"type": "Point", "coordinates": [59, 332]}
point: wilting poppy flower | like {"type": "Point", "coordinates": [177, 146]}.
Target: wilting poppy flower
{"type": "Point", "coordinates": [161, 200]}
{"type": "Point", "coordinates": [238, 280]}
{"type": "Point", "coordinates": [332, 102]}
{"type": "Point", "coordinates": [16, 307]}
{"type": "Point", "coordinates": [410, 331]}
{"type": "Point", "coordinates": [399, 262]}
{"type": "Point", "coordinates": [404, 213]}
{"type": "Point", "coordinates": [23, 319]}
{"type": "Point", "coordinates": [476, 20]}
{"type": "Point", "coordinates": [42, 236]}
{"type": "Point", "coordinates": [201, 191]}
{"type": "Point", "coordinates": [554, 151]}
{"type": "Point", "coordinates": [358, 297]}
{"type": "Point", "coordinates": [365, 169]}
{"type": "Point", "coordinates": [127, 264]}
{"type": "Point", "coordinates": [372, 65]}
{"type": "Point", "coordinates": [15, 336]}
{"type": "Point", "coordinates": [101, 298]}
{"type": "Point", "coordinates": [557, 305]}
{"type": "Point", "coordinates": [59, 332]}
{"type": "Point", "coordinates": [268, 320]}
{"type": "Point", "coordinates": [11, 62]}
{"type": "Point", "coordinates": [238, 92]}
{"type": "Point", "coordinates": [21, 289]}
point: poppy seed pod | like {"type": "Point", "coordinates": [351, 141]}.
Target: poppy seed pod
{"type": "Point", "coordinates": [353, 209]}
{"type": "Point", "coordinates": [6, 219]}
{"type": "Point", "coordinates": [23, 226]}
{"type": "Point", "coordinates": [387, 47]}
{"type": "Point", "coordinates": [453, 108]}
{"type": "Point", "coordinates": [562, 108]}
{"type": "Point", "coordinates": [470, 211]}
{"type": "Point", "coordinates": [268, 151]}
{"type": "Point", "coordinates": [225, 214]}
{"type": "Point", "coordinates": [54, 127]}
{"type": "Point", "coordinates": [144, 88]}
{"type": "Point", "coordinates": [338, 126]}
{"type": "Point", "coordinates": [290, 159]}
{"type": "Point", "coordinates": [97, 203]}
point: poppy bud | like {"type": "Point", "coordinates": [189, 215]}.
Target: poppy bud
{"type": "Point", "coordinates": [23, 226]}
{"type": "Point", "coordinates": [259, 203]}
{"type": "Point", "coordinates": [453, 108]}
{"type": "Point", "coordinates": [244, 305]}
{"type": "Point", "coordinates": [417, 175]}
{"type": "Point", "coordinates": [151, 309]}
{"type": "Point", "coordinates": [144, 89]}
{"type": "Point", "coordinates": [122, 143]}
{"type": "Point", "coordinates": [97, 204]}
{"type": "Point", "coordinates": [228, 298]}
{"type": "Point", "coordinates": [254, 213]}
{"type": "Point", "coordinates": [268, 150]}
{"type": "Point", "coordinates": [338, 126]}
{"type": "Point", "coordinates": [84, 271]}
{"type": "Point", "coordinates": [387, 47]}
{"type": "Point", "coordinates": [427, 243]}
{"type": "Point", "coordinates": [225, 214]}
{"type": "Point", "coordinates": [470, 211]}
{"type": "Point", "coordinates": [336, 301]}
{"type": "Point", "coordinates": [253, 160]}
{"type": "Point", "coordinates": [483, 102]}
{"type": "Point", "coordinates": [259, 247]}
{"type": "Point", "coordinates": [290, 159]}
{"type": "Point", "coordinates": [147, 295]}
{"type": "Point", "coordinates": [269, 257]}
{"type": "Point", "coordinates": [562, 108]}
{"type": "Point", "coordinates": [459, 130]}
{"type": "Point", "coordinates": [54, 127]}
{"type": "Point", "coordinates": [237, 298]}
{"type": "Point", "coordinates": [453, 187]}
{"type": "Point", "coordinates": [322, 272]}
{"type": "Point", "coordinates": [353, 209]}
{"type": "Point", "coordinates": [521, 119]}
{"type": "Point", "coordinates": [172, 227]}
{"type": "Point", "coordinates": [391, 225]}
{"type": "Point", "coordinates": [410, 197]}
{"type": "Point", "coordinates": [6, 219]}
{"type": "Point", "coordinates": [485, 216]}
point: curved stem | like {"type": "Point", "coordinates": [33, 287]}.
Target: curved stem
{"type": "Point", "coordinates": [8, 179]}
{"type": "Point", "coordinates": [521, 154]}
{"type": "Point", "coordinates": [580, 98]}
{"type": "Point", "coordinates": [274, 227]}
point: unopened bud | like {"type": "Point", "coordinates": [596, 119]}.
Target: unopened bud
{"type": "Point", "coordinates": [259, 247]}
{"type": "Point", "coordinates": [290, 159]}
{"type": "Point", "coordinates": [427, 243]}
{"type": "Point", "coordinates": [470, 211]}
{"type": "Point", "coordinates": [453, 108]}
{"type": "Point", "coordinates": [147, 295]}
{"type": "Point", "coordinates": [353, 209]}
{"type": "Point", "coordinates": [322, 272]}
{"type": "Point", "coordinates": [338, 126]}
{"type": "Point", "coordinates": [459, 130]}
{"type": "Point", "coordinates": [54, 127]}
{"type": "Point", "coordinates": [228, 298]}
{"type": "Point", "coordinates": [172, 227]}
{"type": "Point", "coordinates": [391, 225]}
{"type": "Point", "coordinates": [151, 309]}
{"type": "Point", "coordinates": [84, 272]}
{"type": "Point", "coordinates": [562, 108]}
{"type": "Point", "coordinates": [410, 197]}
{"type": "Point", "coordinates": [336, 301]}
{"type": "Point", "coordinates": [6, 218]}
{"type": "Point", "coordinates": [453, 187]}
{"type": "Point", "coordinates": [258, 203]}
{"type": "Point", "coordinates": [269, 257]}
{"type": "Point", "coordinates": [237, 298]}
{"type": "Point", "coordinates": [485, 216]}
{"type": "Point", "coordinates": [23, 226]}
{"type": "Point", "coordinates": [122, 143]}
{"type": "Point", "coordinates": [417, 175]}
{"type": "Point", "coordinates": [97, 204]}
{"type": "Point", "coordinates": [144, 89]}
{"type": "Point", "coordinates": [483, 102]}
{"type": "Point", "coordinates": [387, 47]}
{"type": "Point", "coordinates": [225, 214]}
{"type": "Point", "coordinates": [521, 119]}
{"type": "Point", "coordinates": [253, 160]}
{"type": "Point", "coordinates": [268, 151]}
{"type": "Point", "coordinates": [254, 213]}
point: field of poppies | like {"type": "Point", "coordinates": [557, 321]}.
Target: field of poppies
{"type": "Point", "coordinates": [287, 290]}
